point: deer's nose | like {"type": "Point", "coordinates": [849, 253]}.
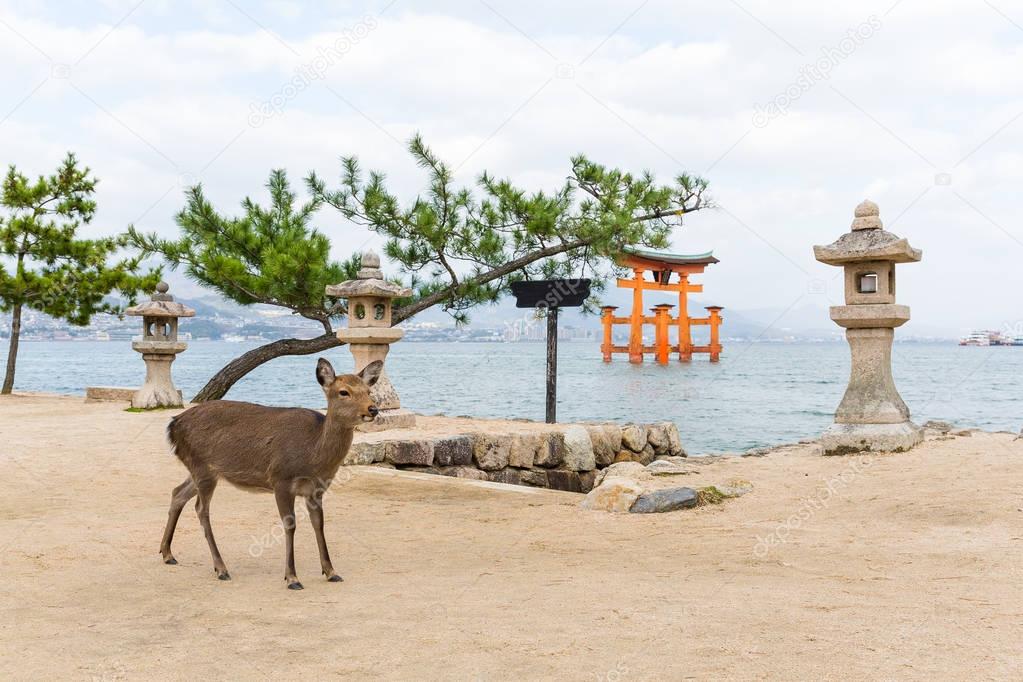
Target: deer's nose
{"type": "Point", "coordinates": [373, 410]}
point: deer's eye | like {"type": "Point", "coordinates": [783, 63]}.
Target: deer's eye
{"type": "Point", "coordinates": [344, 394]}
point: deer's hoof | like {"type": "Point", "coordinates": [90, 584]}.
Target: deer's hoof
{"type": "Point", "coordinates": [170, 561]}
{"type": "Point", "coordinates": [335, 579]}
{"type": "Point", "coordinates": [223, 576]}
{"type": "Point", "coordinates": [295, 586]}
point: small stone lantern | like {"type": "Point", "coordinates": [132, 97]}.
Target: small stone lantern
{"type": "Point", "coordinates": [159, 345]}
{"type": "Point", "coordinates": [872, 415]}
{"type": "Point", "coordinates": [369, 335]}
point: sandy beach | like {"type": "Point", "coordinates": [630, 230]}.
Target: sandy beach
{"type": "Point", "coordinates": [906, 566]}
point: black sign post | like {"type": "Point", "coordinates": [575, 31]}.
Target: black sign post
{"type": "Point", "coordinates": [551, 294]}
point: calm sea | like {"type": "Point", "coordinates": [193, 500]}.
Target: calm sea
{"type": "Point", "coordinates": [759, 394]}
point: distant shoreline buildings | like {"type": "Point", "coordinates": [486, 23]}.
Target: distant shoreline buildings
{"type": "Point", "coordinates": [255, 325]}
{"type": "Point", "coordinates": [991, 338]}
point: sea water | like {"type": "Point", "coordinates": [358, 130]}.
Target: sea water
{"type": "Point", "coordinates": [760, 394]}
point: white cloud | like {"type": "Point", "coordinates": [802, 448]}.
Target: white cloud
{"type": "Point", "coordinates": [167, 95]}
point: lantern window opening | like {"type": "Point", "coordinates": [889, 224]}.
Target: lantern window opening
{"type": "Point", "coordinates": [866, 283]}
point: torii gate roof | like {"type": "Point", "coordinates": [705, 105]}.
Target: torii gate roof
{"type": "Point", "coordinates": [665, 261]}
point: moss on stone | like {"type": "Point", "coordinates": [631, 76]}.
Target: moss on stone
{"type": "Point", "coordinates": [710, 495]}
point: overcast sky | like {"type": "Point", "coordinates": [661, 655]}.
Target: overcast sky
{"type": "Point", "coordinates": [795, 112]}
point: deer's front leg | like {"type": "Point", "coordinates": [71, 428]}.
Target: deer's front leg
{"type": "Point", "coordinates": [314, 503]}
{"type": "Point", "coordinates": [286, 506]}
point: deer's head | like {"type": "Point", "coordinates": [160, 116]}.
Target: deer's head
{"type": "Point", "coordinates": [348, 398]}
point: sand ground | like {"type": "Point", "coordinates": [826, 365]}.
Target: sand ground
{"type": "Point", "coordinates": [904, 566]}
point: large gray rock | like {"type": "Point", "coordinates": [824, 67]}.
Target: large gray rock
{"type": "Point", "coordinates": [664, 500]}
{"type": "Point", "coordinates": [614, 494]}
{"type": "Point", "coordinates": [365, 453]}
{"type": "Point", "coordinates": [634, 437]}
{"type": "Point", "coordinates": [553, 449]}
{"type": "Point", "coordinates": [578, 455]}
{"type": "Point", "coordinates": [454, 451]}
{"type": "Point", "coordinates": [523, 449]}
{"type": "Point", "coordinates": [417, 452]}
{"type": "Point", "coordinates": [491, 451]}
{"type": "Point", "coordinates": [603, 450]}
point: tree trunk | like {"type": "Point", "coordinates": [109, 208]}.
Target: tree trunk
{"type": "Point", "coordinates": [222, 381]}
{"type": "Point", "coordinates": [12, 353]}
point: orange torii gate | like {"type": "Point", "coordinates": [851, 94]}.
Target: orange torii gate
{"type": "Point", "coordinates": [662, 266]}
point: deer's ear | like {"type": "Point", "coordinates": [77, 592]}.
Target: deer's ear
{"type": "Point", "coordinates": [371, 372]}
{"type": "Point", "coordinates": [324, 372]}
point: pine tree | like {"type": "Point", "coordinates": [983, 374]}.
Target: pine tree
{"type": "Point", "coordinates": [455, 250]}
{"type": "Point", "coordinates": [46, 267]}
{"type": "Point", "coordinates": [270, 255]}
{"type": "Point", "coordinates": [459, 251]}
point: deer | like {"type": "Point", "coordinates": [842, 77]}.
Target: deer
{"type": "Point", "coordinates": [288, 451]}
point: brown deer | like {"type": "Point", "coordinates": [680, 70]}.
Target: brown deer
{"type": "Point", "coordinates": [289, 451]}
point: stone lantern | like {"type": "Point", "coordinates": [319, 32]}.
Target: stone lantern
{"type": "Point", "coordinates": [369, 335]}
{"type": "Point", "coordinates": [872, 415]}
{"type": "Point", "coordinates": [159, 345]}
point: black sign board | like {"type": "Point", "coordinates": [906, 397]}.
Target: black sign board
{"type": "Point", "coordinates": [551, 294]}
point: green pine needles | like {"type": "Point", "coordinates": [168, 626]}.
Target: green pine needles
{"type": "Point", "coordinates": [457, 247]}
{"type": "Point", "coordinates": [44, 266]}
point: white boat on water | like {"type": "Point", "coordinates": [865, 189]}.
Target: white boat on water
{"type": "Point", "coordinates": [990, 338]}
{"type": "Point", "coordinates": [976, 339]}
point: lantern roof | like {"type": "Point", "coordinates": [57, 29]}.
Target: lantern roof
{"type": "Point", "coordinates": [867, 241]}
{"type": "Point", "coordinates": [161, 304]}
{"type": "Point", "coordinates": [369, 282]}
{"type": "Point", "coordinates": [368, 287]}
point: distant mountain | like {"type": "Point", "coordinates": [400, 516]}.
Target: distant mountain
{"type": "Point", "coordinates": [803, 321]}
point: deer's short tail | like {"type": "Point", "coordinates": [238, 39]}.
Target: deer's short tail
{"type": "Point", "coordinates": [174, 435]}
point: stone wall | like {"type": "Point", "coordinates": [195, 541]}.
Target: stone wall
{"type": "Point", "coordinates": [559, 456]}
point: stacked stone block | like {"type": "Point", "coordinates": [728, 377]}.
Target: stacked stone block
{"type": "Point", "coordinates": [566, 458]}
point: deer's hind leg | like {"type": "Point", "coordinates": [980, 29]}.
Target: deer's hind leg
{"type": "Point", "coordinates": [206, 485]}
{"type": "Point", "coordinates": [179, 498]}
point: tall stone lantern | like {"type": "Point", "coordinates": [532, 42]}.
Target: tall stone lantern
{"type": "Point", "coordinates": [159, 345]}
{"type": "Point", "coordinates": [369, 335]}
{"type": "Point", "coordinates": [872, 415]}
